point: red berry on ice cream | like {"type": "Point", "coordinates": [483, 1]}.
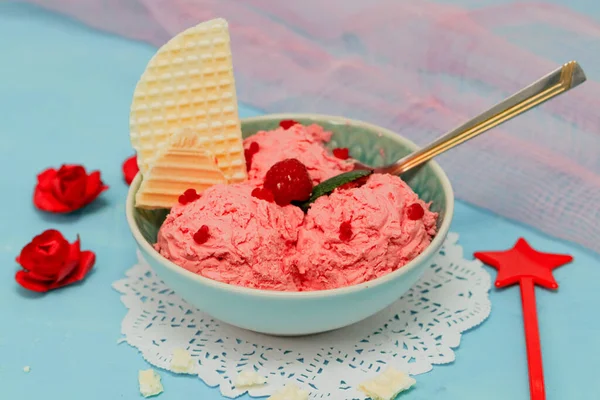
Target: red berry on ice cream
{"type": "Point", "coordinates": [202, 235]}
{"type": "Point", "coordinates": [345, 231]}
{"type": "Point", "coordinates": [287, 123]}
{"type": "Point", "coordinates": [191, 195]}
{"type": "Point", "coordinates": [188, 196]}
{"type": "Point", "coordinates": [263, 194]}
{"type": "Point", "coordinates": [415, 212]}
{"type": "Point", "coordinates": [248, 157]}
{"type": "Point", "coordinates": [289, 181]}
{"type": "Point", "coordinates": [353, 184]}
{"type": "Point", "coordinates": [249, 153]}
{"type": "Point", "coordinates": [342, 153]}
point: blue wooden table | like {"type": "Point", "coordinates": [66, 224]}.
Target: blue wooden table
{"type": "Point", "coordinates": [64, 97]}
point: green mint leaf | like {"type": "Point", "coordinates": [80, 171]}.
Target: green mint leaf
{"type": "Point", "coordinates": [328, 186]}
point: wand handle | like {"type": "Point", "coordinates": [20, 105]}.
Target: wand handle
{"type": "Point", "coordinates": [532, 340]}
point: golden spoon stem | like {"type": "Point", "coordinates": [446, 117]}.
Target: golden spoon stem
{"type": "Point", "coordinates": [555, 83]}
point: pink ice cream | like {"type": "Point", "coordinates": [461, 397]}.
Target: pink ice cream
{"type": "Point", "coordinates": [383, 237]}
{"type": "Point", "coordinates": [304, 143]}
{"type": "Point", "coordinates": [251, 241]}
{"type": "Point", "coordinates": [258, 244]}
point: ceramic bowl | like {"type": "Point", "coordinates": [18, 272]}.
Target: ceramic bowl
{"type": "Point", "coordinates": [300, 313]}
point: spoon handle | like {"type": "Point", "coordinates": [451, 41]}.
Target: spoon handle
{"type": "Point", "coordinates": [557, 82]}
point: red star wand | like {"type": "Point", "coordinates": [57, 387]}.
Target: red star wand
{"type": "Point", "coordinates": [526, 266]}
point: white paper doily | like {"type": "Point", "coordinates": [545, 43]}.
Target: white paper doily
{"type": "Point", "coordinates": [413, 334]}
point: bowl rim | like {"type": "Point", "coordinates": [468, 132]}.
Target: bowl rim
{"type": "Point", "coordinates": [241, 290]}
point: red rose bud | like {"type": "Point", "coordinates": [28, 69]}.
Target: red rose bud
{"type": "Point", "coordinates": [49, 262]}
{"type": "Point", "coordinates": [342, 153]}
{"type": "Point", "coordinates": [130, 169]}
{"type": "Point", "coordinates": [66, 190]}
{"type": "Point", "coordinates": [287, 123]}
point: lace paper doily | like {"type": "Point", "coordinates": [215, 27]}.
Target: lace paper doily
{"type": "Point", "coordinates": [413, 334]}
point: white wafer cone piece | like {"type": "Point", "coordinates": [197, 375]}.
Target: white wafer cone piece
{"type": "Point", "coordinates": [182, 163]}
{"type": "Point", "coordinates": [189, 84]}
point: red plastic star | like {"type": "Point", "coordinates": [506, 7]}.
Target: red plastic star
{"type": "Point", "coordinates": [522, 261]}
{"type": "Point", "coordinates": [527, 267]}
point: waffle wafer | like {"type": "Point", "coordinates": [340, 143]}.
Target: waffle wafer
{"type": "Point", "coordinates": [182, 163]}
{"type": "Point", "coordinates": [189, 84]}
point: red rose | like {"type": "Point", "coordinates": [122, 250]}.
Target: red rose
{"type": "Point", "coordinates": [130, 169]}
{"type": "Point", "coordinates": [67, 189]}
{"type": "Point", "coordinates": [50, 262]}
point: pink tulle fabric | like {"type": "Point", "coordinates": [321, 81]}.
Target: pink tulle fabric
{"type": "Point", "coordinates": [419, 68]}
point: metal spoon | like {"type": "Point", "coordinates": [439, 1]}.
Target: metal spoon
{"type": "Point", "coordinates": [556, 82]}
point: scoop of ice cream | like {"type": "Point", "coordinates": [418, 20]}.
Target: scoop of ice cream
{"type": "Point", "coordinates": [250, 241]}
{"type": "Point", "coordinates": [358, 234]}
{"type": "Point", "coordinates": [304, 143]}
{"type": "Point", "coordinates": [236, 234]}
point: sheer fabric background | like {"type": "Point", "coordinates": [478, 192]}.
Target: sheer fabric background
{"type": "Point", "coordinates": [419, 68]}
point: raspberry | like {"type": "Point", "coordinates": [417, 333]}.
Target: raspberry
{"type": "Point", "coordinates": [289, 181]}
{"type": "Point", "coordinates": [342, 153]}
{"type": "Point", "coordinates": [345, 231]}
{"type": "Point", "coordinates": [287, 123]}
{"type": "Point", "coordinates": [249, 153]}
{"type": "Point", "coordinates": [263, 194]}
{"type": "Point", "coordinates": [191, 194]}
{"type": "Point", "coordinates": [188, 196]}
{"type": "Point", "coordinates": [202, 235]}
{"type": "Point", "coordinates": [248, 157]}
{"type": "Point", "coordinates": [415, 212]}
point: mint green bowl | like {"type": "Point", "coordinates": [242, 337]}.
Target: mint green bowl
{"type": "Point", "coordinates": [300, 313]}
